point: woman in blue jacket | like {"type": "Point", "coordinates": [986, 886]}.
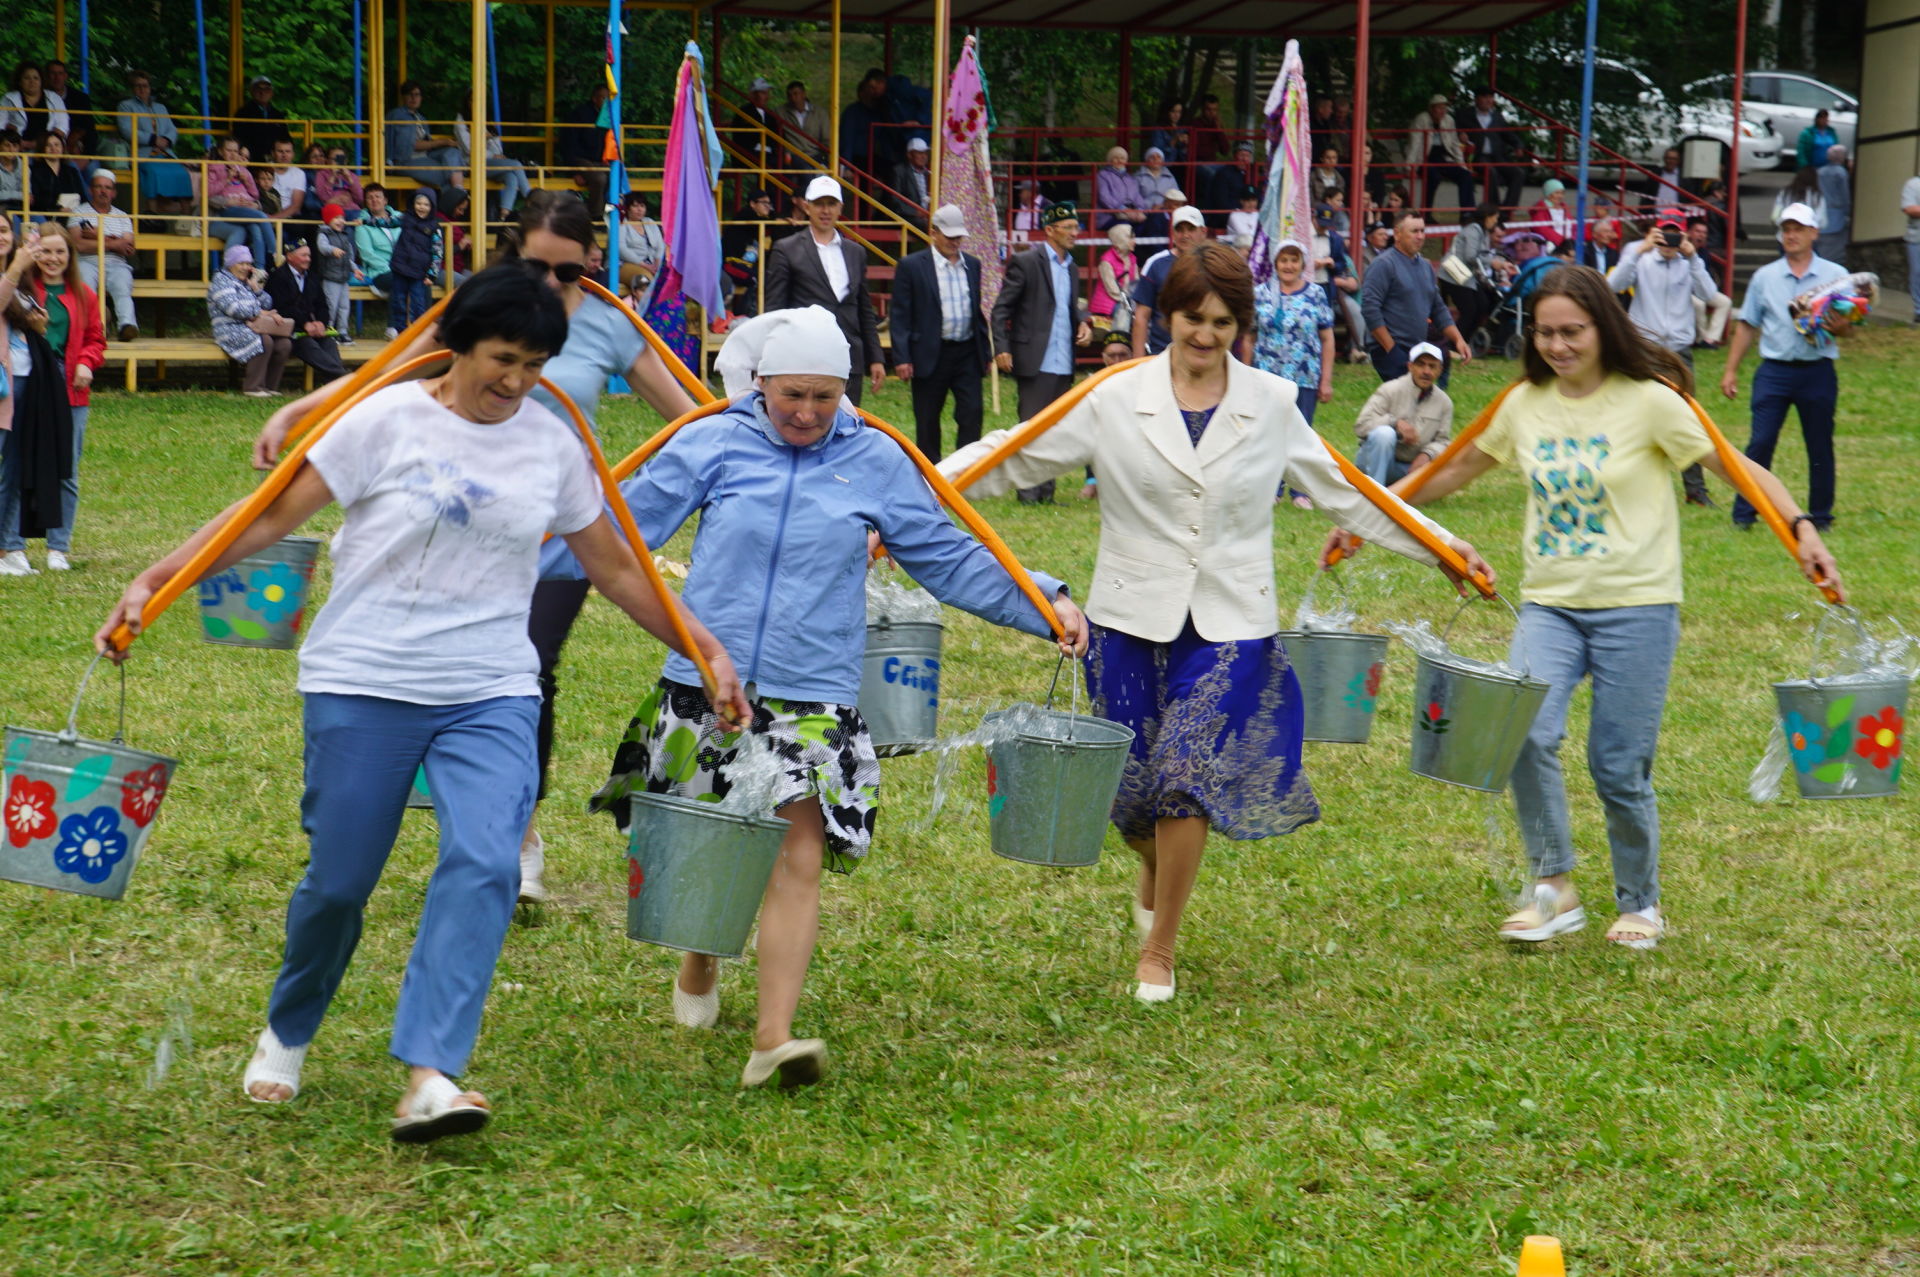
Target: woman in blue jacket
{"type": "Point", "coordinates": [787, 483]}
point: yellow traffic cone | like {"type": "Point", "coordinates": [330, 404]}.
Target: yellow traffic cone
{"type": "Point", "coordinates": [1540, 1257]}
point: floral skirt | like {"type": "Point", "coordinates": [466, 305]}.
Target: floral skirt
{"type": "Point", "coordinates": [1218, 729]}
{"type": "Point", "coordinates": [667, 316]}
{"type": "Point", "coordinates": [677, 745]}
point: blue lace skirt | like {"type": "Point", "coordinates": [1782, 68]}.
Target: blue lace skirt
{"type": "Point", "coordinates": [1217, 728]}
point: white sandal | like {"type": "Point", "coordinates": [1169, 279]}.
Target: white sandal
{"type": "Point", "coordinates": [438, 1108]}
{"type": "Point", "coordinates": [1542, 918]}
{"type": "Point", "coordinates": [274, 1063]}
{"type": "Point", "coordinates": [1641, 929]}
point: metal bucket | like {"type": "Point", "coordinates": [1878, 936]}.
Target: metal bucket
{"type": "Point", "coordinates": [261, 600]}
{"type": "Point", "coordinates": [77, 812]}
{"type": "Point", "coordinates": [1844, 734]}
{"type": "Point", "coordinates": [1050, 789]}
{"type": "Point", "coordinates": [696, 874]}
{"type": "Point", "coordinates": [1469, 721]}
{"type": "Point", "coordinates": [900, 685]}
{"type": "Point", "coordinates": [1339, 676]}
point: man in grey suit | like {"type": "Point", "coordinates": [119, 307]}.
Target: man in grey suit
{"type": "Point", "coordinates": [939, 335]}
{"type": "Point", "coordinates": [821, 268]}
{"type": "Point", "coordinates": [1039, 318]}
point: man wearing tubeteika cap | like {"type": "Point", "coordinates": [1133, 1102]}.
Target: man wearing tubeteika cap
{"type": "Point", "coordinates": [822, 268]}
{"type": "Point", "coordinates": [1795, 371]}
{"type": "Point", "coordinates": [1407, 421]}
{"type": "Point", "coordinates": [1039, 318]}
{"type": "Point", "coordinates": [939, 334]}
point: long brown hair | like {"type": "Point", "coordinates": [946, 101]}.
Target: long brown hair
{"type": "Point", "coordinates": [1623, 348]}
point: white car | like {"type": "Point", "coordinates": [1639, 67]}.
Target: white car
{"type": "Point", "coordinates": [1788, 102]}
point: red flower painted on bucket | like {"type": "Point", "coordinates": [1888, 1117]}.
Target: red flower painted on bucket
{"type": "Point", "coordinates": [29, 810]}
{"type": "Point", "coordinates": [1433, 719]}
{"type": "Point", "coordinates": [1879, 741]}
{"type": "Point", "coordinates": [1374, 672]}
{"type": "Point", "coordinates": [636, 878]}
{"type": "Point", "coordinates": [993, 779]}
{"type": "Point", "coordinates": [141, 792]}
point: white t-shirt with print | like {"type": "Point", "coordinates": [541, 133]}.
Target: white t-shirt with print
{"type": "Point", "coordinates": [433, 571]}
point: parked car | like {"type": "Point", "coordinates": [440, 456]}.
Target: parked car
{"type": "Point", "coordinates": [1787, 100]}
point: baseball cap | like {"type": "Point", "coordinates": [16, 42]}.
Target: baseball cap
{"type": "Point", "coordinates": [1188, 215]}
{"type": "Point", "coordinates": [824, 188]}
{"type": "Point", "coordinates": [761, 84]}
{"type": "Point", "coordinates": [948, 220]}
{"type": "Point", "coordinates": [260, 79]}
{"type": "Point", "coordinates": [1800, 213]}
{"type": "Point", "coordinates": [1425, 348]}
{"type": "Point", "coordinates": [917, 144]}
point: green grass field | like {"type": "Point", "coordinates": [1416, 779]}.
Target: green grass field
{"type": "Point", "coordinates": [1356, 1079]}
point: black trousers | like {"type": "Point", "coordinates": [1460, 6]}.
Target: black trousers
{"type": "Point", "coordinates": [1036, 392]}
{"type": "Point", "coordinates": [321, 355]}
{"type": "Point", "coordinates": [556, 605]}
{"type": "Point", "coordinates": [957, 371]}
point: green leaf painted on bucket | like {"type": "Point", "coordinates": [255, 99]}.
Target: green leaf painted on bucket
{"type": "Point", "coordinates": [995, 804]}
{"type": "Point", "coordinates": [682, 754]}
{"type": "Point", "coordinates": [1838, 711]}
{"type": "Point", "coordinates": [17, 750]}
{"type": "Point", "coordinates": [87, 776]}
{"type": "Point", "coordinates": [215, 627]}
{"type": "Point", "coordinates": [1830, 773]}
{"type": "Point", "coordinates": [1837, 743]}
{"type": "Point", "coordinates": [249, 629]}
{"type": "Point", "coordinates": [1893, 776]}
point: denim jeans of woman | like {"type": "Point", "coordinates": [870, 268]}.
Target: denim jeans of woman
{"type": "Point", "coordinates": [1628, 653]}
{"type": "Point", "coordinates": [249, 226]}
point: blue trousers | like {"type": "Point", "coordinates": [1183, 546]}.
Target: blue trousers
{"type": "Point", "coordinates": [406, 300]}
{"type": "Point", "coordinates": [1628, 653]}
{"type": "Point", "coordinates": [1376, 456]}
{"type": "Point", "coordinates": [1811, 388]}
{"type": "Point", "coordinates": [249, 226]}
{"type": "Point", "coordinates": [362, 752]}
{"type": "Point", "coordinates": [1913, 276]}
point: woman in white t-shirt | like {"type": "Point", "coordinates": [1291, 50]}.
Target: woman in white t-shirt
{"type": "Point", "coordinates": [1598, 438]}
{"type": "Point", "coordinates": [420, 658]}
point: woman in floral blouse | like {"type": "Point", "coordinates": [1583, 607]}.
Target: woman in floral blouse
{"type": "Point", "coordinates": [1293, 334]}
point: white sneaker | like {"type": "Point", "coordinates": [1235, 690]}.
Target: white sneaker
{"type": "Point", "coordinates": [14, 563]}
{"type": "Point", "coordinates": [57, 562]}
{"type": "Point", "coordinates": [533, 870]}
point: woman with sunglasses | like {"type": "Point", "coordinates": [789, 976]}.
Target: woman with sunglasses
{"type": "Point", "coordinates": [556, 231]}
{"type": "Point", "coordinates": [1598, 438]}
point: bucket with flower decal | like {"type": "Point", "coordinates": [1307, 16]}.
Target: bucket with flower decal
{"type": "Point", "coordinates": [1845, 730]}
{"type": "Point", "coordinates": [1470, 718]}
{"type": "Point", "coordinates": [261, 600]}
{"type": "Point", "coordinates": [1339, 671]}
{"type": "Point", "coordinates": [77, 811]}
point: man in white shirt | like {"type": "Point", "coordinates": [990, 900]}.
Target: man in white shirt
{"type": "Point", "coordinates": [101, 219]}
{"type": "Point", "coordinates": [1666, 273]}
{"type": "Point", "coordinates": [820, 268]}
{"type": "Point", "coordinates": [289, 182]}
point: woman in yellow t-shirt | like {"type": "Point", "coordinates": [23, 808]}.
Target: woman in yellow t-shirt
{"type": "Point", "coordinates": [1598, 438]}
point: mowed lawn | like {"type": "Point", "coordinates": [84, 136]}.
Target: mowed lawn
{"type": "Point", "coordinates": [1357, 1077]}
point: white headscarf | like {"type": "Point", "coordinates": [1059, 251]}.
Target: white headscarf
{"type": "Point", "coordinates": [807, 341]}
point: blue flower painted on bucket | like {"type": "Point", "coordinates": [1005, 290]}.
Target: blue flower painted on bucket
{"type": "Point", "coordinates": [276, 592]}
{"type": "Point", "coordinates": [1806, 741]}
{"type": "Point", "coordinates": [90, 845]}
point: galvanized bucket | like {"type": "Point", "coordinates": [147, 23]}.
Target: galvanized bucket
{"type": "Point", "coordinates": [696, 874]}
{"type": "Point", "coordinates": [77, 812]}
{"type": "Point", "coordinates": [1470, 721]}
{"type": "Point", "coordinates": [261, 600]}
{"type": "Point", "coordinates": [1050, 788]}
{"type": "Point", "coordinates": [900, 685]}
{"type": "Point", "coordinates": [1845, 733]}
{"type": "Point", "coordinates": [1339, 673]}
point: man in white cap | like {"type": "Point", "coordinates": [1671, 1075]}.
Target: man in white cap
{"type": "Point", "coordinates": [822, 268]}
{"type": "Point", "coordinates": [1795, 371]}
{"type": "Point", "coordinates": [100, 218]}
{"type": "Point", "coordinates": [939, 333]}
{"type": "Point", "coordinates": [1150, 335]}
{"type": "Point", "coordinates": [759, 110]}
{"type": "Point", "coordinates": [1407, 421]}
{"type": "Point", "coordinates": [1434, 152]}
{"type": "Point", "coordinates": [913, 183]}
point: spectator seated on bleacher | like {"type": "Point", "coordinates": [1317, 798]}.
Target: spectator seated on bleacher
{"type": "Point", "coordinates": [246, 326]}
{"type": "Point", "coordinates": [806, 124]}
{"type": "Point", "coordinates": [233, 204]}
{"type": "Point", "coordinates": [643, 248]}
{"type": "Point", "coordinates": [334, 183]}
{"type": "Point", "coordinates": [98, 218]}
{"type": "Point", "coordinates": [1116, 194]}
{"type": "Point", "coordinates": [913, 183]}
{"type": "Point", "coordinates": [757, 108]}
{"type": "Point", "coordinates": [259, 123]}
{"type": "Point", "coordinates": [373, 239]}
{"type": "Point", "coordinates": [861, 121]}
{"type": "Point", "coordinates": [290, 199]}
{"type": "Point", "coordinates": [13, 172]}
{"type": "Point", "coordinates": [294, 287]}
{"type": "Point", "coordinates": [54, 184]}
{"type": "Point", "coordinates": [739, 252]}
{"type": "Point", "coordinates": [512, 174]}
{"type": "Point", "coordinates": [414, 150]}
{"type": "Point", "coordinates": [31, 109]}
{"type": "Point", "coordinates": [144, 128]}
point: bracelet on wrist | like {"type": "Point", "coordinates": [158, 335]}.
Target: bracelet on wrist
{"type": "Point", "coordinates": [1794, 523]}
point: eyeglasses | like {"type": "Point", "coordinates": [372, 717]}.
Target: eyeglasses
{"type": "Point", "coordinates": [565, 272]}
{"type": "Point", "coordinates": [1570, 334]}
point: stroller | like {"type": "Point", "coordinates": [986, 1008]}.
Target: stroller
{"type": "Point", "coordinates": [1501, 331]}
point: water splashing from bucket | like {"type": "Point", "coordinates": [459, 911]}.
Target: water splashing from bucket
{"type": "Point", "coordinates": [996, 729]}
{"type": "Point", "coordinates": [888, 598]}
{"type": "Point", "coordinates": [758, 776]}
{"type": "Point", "coordinates": [175, 1042]}
{"type": "Point", "coordinates": [1419, 636]}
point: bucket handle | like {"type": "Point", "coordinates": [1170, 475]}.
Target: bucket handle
{"type": "Point", "coordinates": [71, 732]}
{"type": "Point", "coordinates": [1313, 584]}
{"type": "Point", "coordinates": [1827, 614]}
{"type": "Point", "coordinates": [1075, 682]}
{"type": "Point", "coordinates": [1526, 665]}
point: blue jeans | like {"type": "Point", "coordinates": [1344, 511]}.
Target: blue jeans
{"type": "Point", "coordinates": [1628, 653]}
{"type": "Point", "coordinates": [60, 538]}
{"type": "Point", "coordinates": [1812, 388]}
{"type": "Point", "coordinates": [406, 300]}
{"type": "Point", "coordinates": [362, 752]}
{"type": "Point", "coordinates": [1376, 455]}
{"type": "Point", "coordinates": [247, 226]}
{"type": "Point", "coordinates": [1913, 276]}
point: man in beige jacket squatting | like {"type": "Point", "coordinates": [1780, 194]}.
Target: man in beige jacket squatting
{"type": "Point", "coordinates": [1406, 422]}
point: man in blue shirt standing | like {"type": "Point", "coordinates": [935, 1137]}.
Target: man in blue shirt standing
{"type": "Point", "coordinates": [1039, 318]}
{"type": "Point", "coordinates": [1795, 371]}
{"type": "Point", "coordinates": [1400, 301]}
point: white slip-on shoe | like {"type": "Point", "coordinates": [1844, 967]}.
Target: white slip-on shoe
{"type": "Point", "coordinates": [275, 1063]}
{"type": "Point", "coordinates": [437, 1109]}
{"type": "Point", "coordinates": [57, 561]}
{"type": "Point", "coordinates": [1144, 992]}
{"type": "Point", "coordinates": [799, 1062]}
{"type": "Point", "coordinates": [696, 1010]}
{"type": "Point", "coordinates": [14, 563]}
{"type": "Point", "coordinates": [533, 870]}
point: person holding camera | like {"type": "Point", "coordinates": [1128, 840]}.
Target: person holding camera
{"type": "Point", "coordinates": [246, 326]}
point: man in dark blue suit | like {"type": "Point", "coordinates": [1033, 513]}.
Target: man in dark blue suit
{"type": "Point", "coordinates": [939, 334]}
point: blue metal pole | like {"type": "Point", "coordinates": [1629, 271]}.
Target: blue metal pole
{"type": "Point", "coordinates": [359, 83]}
{"type": "Point", "coordinates": [617, 177]}
{"type": "Point", "coordinates": [493, 78]}
{"type": "Point", "coordinates": [206, 101]}
{"type": "Point", "coordinates": [86, 63]}
{"type": "Point", "coordinates": [1586, 127]}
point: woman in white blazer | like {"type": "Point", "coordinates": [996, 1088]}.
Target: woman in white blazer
{"type": "Point", "coordinates": [1190, 448]}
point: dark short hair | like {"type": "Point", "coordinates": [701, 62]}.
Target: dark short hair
{"type": "Point", "coordinates": [408, 86]}
{"type": "Point", "coordinates": [507, 302]}
{"type": "Point", "coordinates": [368, 188]}
{"type": "Point", "coordinates": [631, 198]}
{"type": "Point", "coordinates": [561, 213]}
{"type": "Point", "coordinates": [795, 84]}
{"type": "Point", "coordinates": [1403, 214]}
{"type": "Point", "coordinates": [875, 75]}
{"type": "Point", "coordinates": [1209, 268]}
